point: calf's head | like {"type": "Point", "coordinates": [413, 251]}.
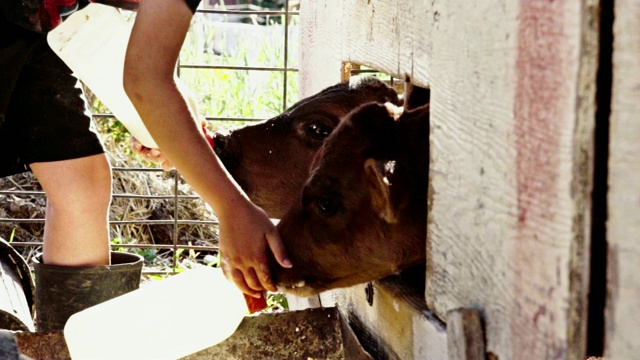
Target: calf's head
{"type": "Point", "coordinates": [362, 213]}
{"type": "Point", "coordinates": [271, 160]}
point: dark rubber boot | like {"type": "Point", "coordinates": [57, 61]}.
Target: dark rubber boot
{"type": "Point", "coordinates": [62, 291]}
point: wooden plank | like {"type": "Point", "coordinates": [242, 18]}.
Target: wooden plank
{"type": "Point", "coordinates": [397, 323]}
{"type": "Point", "coordinates": [623, 226]}
{"type": "Point", "coordinates": [391, 36]}
{"type": "Point", "coordinates": [301, 303]}
{"type": "Point", "coordinates": [465, 335]}
{"type": "Point", "coordinates": [511, 150]}
{"type": "Point", "coordinates": [512, 131]}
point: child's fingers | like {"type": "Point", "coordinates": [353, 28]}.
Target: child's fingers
{"type": "Point", "coordinates": [277, 247]}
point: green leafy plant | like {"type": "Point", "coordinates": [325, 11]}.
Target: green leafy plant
{"type": "Point", "coordinates": [276, 302]}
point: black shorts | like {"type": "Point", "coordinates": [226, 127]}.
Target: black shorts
{"type": "Point", "coordinates": [45, 117]}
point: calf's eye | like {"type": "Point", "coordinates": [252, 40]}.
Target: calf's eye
{"type": "Point", "coordinates": [326, 206]}
{"type": "Point", "coordinates": [318, 130]}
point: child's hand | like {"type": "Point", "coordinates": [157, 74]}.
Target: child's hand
{"type": "Point", "coordinates": [149, 154]}
{"type": "Point", "coordinates": [245, 234]}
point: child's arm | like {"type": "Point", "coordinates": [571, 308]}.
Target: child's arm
{"type": "Point", "coordinates": [245, 229]}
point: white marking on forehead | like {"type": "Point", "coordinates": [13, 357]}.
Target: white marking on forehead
{"type": "Point", "coordinates": [394, 111]}
{"type": "Point", "coordinates": [354, 81]}
{"type": "Point", "coordinates": [390, 166]}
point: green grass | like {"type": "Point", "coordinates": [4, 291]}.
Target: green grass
{"type": "Point", "coordinates": [241, 93]}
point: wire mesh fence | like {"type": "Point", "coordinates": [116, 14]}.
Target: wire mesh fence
{"type": "Point", "coordinates": [240, 62]}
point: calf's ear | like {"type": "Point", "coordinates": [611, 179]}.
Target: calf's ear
{"type": "Point", "coordinates": [415, 96]}
{"type": "Point", "coordinates": [379, 188]}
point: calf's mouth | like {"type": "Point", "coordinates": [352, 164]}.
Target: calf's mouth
{"type": "Point", "coordinates": [306, 280]}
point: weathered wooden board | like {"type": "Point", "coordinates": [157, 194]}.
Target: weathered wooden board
{"type": "Point", "coordinates": [465, 336]}
{"type": "Point", "coordinates": [391, 320]}
{"type": "Point", "coordinates": [390, 36]}
{"type": "Point", "coordinates": [623, 227]}
{"type": "Point", "coordinates": [512, 168]}
{"type": "Point", "coordinates": [512, 87]}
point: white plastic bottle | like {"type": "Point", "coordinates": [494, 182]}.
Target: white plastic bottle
{"type": "Point", "coordinates": [166, 319]}
{"type": "Point", "coordinates": [93, 43]}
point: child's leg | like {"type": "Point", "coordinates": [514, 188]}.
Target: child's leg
{"type": "Point", "coordinates": [78, 198]}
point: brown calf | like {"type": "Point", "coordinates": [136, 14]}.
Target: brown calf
{"type": "Point", "coordinates": [271, 160]}
{"type": "Point", "coordinates": [362, 212]}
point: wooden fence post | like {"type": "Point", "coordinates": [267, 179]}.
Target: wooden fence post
{"type": "Point", "coordinates": [465, 335]}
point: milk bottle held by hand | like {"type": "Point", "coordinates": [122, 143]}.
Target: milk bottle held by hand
{"type": "Point", "coordinates": [164, 319]}
{"type": "Point", "coordinates": [93, 43]}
